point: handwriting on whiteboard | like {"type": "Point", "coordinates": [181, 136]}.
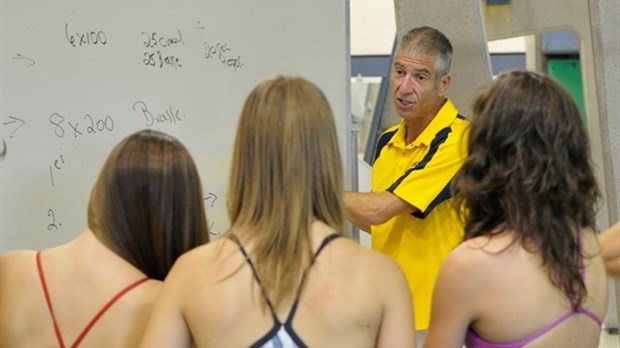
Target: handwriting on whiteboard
{"type": "Point", "coordinates": [220, 51]}
{"type": "Point", "coordinates": [57, 165]}
{"type": "Point", "coordinates": [55, 224]}
{"type": "Point", "coordinates": [16, 122]}
{"type": "Point", "coordinates": [156, 49]}
{"type": "Point", "coordinates": [210, 200]}
{"type": "Point", "coordinates": [159, 45]}
{"type": "Point", "coordinates": [86, 38]}
{"type": "Point", "coordinates": [29, 60]}
{"type": "Point", "coordinates": [169, 116]}
{"type": "Point", "coordinates": [91, 125]}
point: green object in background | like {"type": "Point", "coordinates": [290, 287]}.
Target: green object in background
{"type": "Point", "coordinates": [567, 72]}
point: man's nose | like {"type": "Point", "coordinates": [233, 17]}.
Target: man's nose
{"type": "Point", "coordinates": [407, 84]}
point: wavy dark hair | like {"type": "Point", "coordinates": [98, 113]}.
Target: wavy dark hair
{"type": "Point", "coordinates": [529, 169]}
{"type": "Point", "coordinates": [147, 204]}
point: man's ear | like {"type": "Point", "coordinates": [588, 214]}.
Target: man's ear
{"type": "Point", "coordinates": [444, 84]}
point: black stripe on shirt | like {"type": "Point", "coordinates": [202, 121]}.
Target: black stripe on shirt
{"type": "Point", "coordinates": [384, 139]}
{"type": "Point", "coordinates": [439, 139]}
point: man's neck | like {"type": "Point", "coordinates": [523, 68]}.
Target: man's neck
{"type": "Point", "coordinates": [415, 127]}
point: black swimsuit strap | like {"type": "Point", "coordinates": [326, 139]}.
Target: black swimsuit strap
{"type": "Point", "coordinates": [324, 243]}
{"type": "Point", "coordinates": [291, 314]}
{"type": "Point", "coordinates": [234, 238]}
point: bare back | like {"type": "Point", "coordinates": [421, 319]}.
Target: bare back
{"type": "Point", "coordinates": [509, 296]}
{"type": "Point", "coordinates": [81, 277]}
{"type": "Point", "coordinates": [352, 297]}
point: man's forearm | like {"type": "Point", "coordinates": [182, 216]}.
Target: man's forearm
{"type": "Point", "coordinates": [365, 209]}
{"type": "Point", "coordinates": [353, 202]}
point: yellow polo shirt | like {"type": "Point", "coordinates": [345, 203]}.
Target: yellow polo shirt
{"type": "Point", "coordinates": [420, 173]}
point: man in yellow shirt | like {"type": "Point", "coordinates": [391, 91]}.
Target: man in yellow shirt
{"type": "Point", "coordinates": [409, 212]}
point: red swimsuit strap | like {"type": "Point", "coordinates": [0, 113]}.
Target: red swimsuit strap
{"type": "Point", "coordinates": [49, 302]}
{"type": "Point", "coordinates": [95, 318]}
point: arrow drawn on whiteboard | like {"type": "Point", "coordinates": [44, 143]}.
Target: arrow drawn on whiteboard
{"type": "Point", "coordinates": [14, 120]}
{"type": "Point", "coordinates": [22, 57]}
{"type": "Point", "coordinates": [212, 197]}
{"type": "Point", "coordinates": [199, 26]}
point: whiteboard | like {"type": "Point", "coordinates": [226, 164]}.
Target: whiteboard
{"type": "Point", "coordinates": [77, 76]}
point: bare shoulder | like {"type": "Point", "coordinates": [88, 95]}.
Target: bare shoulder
{"type": "Point", "coordinates": [470, 253]}
{"type": "Point", "coordinates": [17, 263]}
{"type": "Point", "coordinates": [18, 292]}
{"type": "Point", "coordinates": [465, 275]}
{"type": "Point", "coordinates": [474, 258]}
{"type": "Point", "coordinates": [376, 265]}
{"type": "Point", "coordinates": [14, 255]}
{"type": "Point", "coordinates": [204, 261]}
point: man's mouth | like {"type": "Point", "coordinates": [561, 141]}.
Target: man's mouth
{"type": "Point", "coordinates": [404, 102]}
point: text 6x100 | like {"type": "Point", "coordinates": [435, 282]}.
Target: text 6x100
{"type": "Point", "coordinates": [88, 38]}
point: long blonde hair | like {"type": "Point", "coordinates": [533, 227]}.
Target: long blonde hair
{"type": "Point", "coordinates": [286, 172]}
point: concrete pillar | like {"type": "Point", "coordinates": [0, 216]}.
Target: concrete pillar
{"type": "Point", "coordinates": [604, 19]}
{"type": "Point", "coordinates": [596, 41]}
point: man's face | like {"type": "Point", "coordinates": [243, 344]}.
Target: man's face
{"type": "Point", "coordinates": [416, 91]}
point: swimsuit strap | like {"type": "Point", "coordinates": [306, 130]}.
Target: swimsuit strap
{"type": "Point", "coordinates": [48, 300]}
{"type": "Point", "coordinates": [475, 340]}
{"type": "Point", "coordinates": [235, 239]}
{"type": "Point", "coordinates": [291, 314]}
{"type": "Point", "coordinates": [324, 243]}
{"type": "Point", "coordinates": [592, 315]}
{"type": "Point", "coordinates": [550, 326]}
{"type": "Point", "coordinates": [95, 318]}
{"type": "Point", "coordinates": [106, 307]}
